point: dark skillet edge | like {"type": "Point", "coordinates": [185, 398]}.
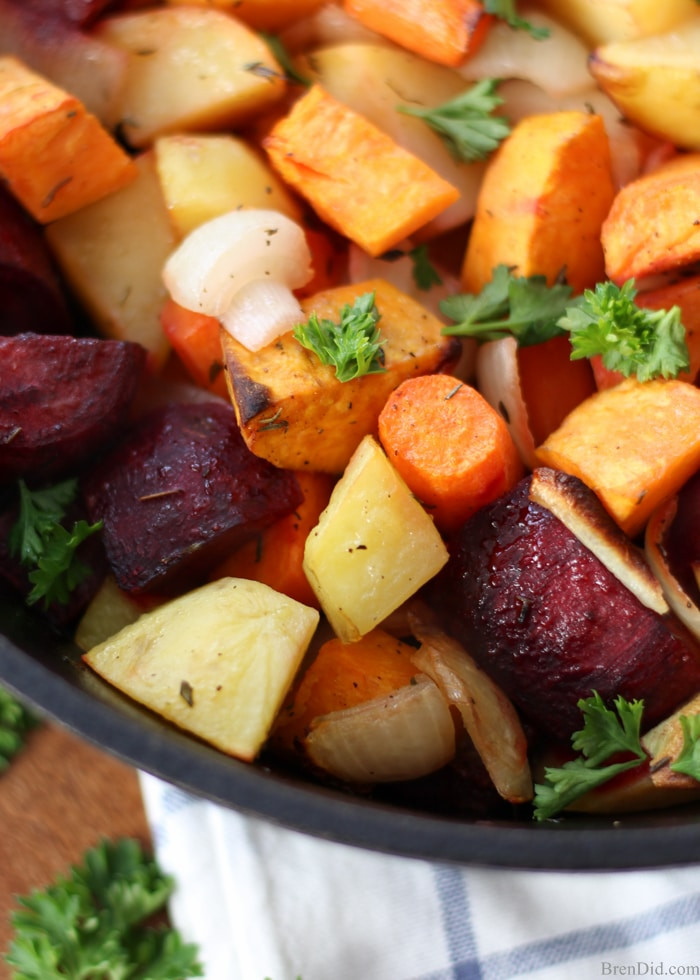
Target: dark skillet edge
{"type": "Point", "coordinates": [55, 684]}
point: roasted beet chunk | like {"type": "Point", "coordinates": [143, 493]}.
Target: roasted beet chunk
{"type": "Point", "coordinates": [61, 400]}
{"type": "Point", "coordinates": [179, 493]}
{"type": "Point", "coordinates": [551, 623]}
{"type": "Point", "coordinates": [31, 297]}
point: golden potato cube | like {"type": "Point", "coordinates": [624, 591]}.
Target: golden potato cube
{"type": "Point", "coordinates": [634, 445]}
{"type": "Point", "coordinates": [217, 661]}
{"type": "Point", "coordinates": [205, 175]}
{"type": "Point", "coordinates": [112, 254]}
{"type": "Point", "coordinates": [373, 547]}
{"type": "Point", "coordinates": [190, 68]}
{"type": "Point", "coordinates": [599, 21]}
{"type": "Point", "coordinates": [292, 409]}
{"type": "Point", "coordinates": [54, 155]}
{"type": "Point", "coordinates": [263, 15]}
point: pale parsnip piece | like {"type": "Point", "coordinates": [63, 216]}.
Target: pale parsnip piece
{"type": "Point", "coordinates": [204, 175]}
{"type": "Point", "coordinates": [373, 79]}
{"type": "Point", "coordinates": [374, 545]}
{"type": "Point", "coordinates": [655, 82]}
{"type": "Point", "coordinates": [600, 21]}
{"type": "Point", "coordinates": [190, 68]}
{"type": "Point", "coordinates": [112, 254]}
{"type": "Point", "coordinates": [217, 661]}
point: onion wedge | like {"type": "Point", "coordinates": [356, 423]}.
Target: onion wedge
{"type": "Point", "coordinates": [488, 716]}
{"type": "Point", "coordinates": [403, 736]}
{"type": "Point", "coordinates": [678, 599]}
{"type": "Point", "coordinates": [498, 380]}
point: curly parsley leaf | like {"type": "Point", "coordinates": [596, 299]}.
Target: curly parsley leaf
{"type": "Point", "coordinates": [43, 544]}
{"type": "Point", "coordinates": [688, 761]}
{"type": "Point", "coordinates": [524, 307]}
{"type": "Point", "coordinates": [506, 10]}
{"type": "Point", "coordinates": [92, 923]}
{"type": "Point", "coordinates": [352, 346]}
{"type": "Point", "coordinates": [630, 339]}
{"type": "Point", "coordinates": [425, 275]}
{"type": "Point", "coordinates": [16, 722]}
{"type": "Point", "coordinates": [605, 733]}
{"type": "Point", "coordinates": [466, 123]}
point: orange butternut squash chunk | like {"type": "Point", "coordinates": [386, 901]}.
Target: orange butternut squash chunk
{"type": "Point", "coordinates": [653, 222]}
{"type": "Point", "coordinates": [444, 31]}
{"type": "Point", "coordinates": [634, 445]}
{"type": "Point", "coordinates": [287, 402]}
{"type": "Point", "coordinates": [54, 155]}
{"type": "Point", "coordinates": [542, 202]}
{"type": "Point", "coordinates": [357, 179]}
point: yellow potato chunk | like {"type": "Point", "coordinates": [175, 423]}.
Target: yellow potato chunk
{"type": "Point", "coordinates": [217, 661]}
{"type": "Point", "coordinates": [373, 548]}
{"type": "Point", "coordinates": [634, 445]}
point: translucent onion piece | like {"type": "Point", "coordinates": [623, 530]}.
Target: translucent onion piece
{"type": "Point", "coordinates": [218, 258]}
{"type": "Point", "coordinates": [676, 596]}
{"type": "Point", "coordinates": [488, 715]}
{"type": "Point", "coordinates": [408, 734]}
{"type": "Point", "coordinates": [498, 380]}
{"type": "Point", "coordinates": [558, 65]}
{"type": "Point", "coordinates": [261, 312]}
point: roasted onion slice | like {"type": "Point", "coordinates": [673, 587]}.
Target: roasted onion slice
{"type": "Point", "coordinates": [405, 735]}
{"type": "Point", "coordinates": [683, 605]}
{"type": "Point", "coordinates": [488, 715]}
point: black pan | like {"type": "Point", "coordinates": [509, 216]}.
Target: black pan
{"type": "Point", "coordinates": [47, 673]}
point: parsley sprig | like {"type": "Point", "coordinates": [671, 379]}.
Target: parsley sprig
{"type": "Point", "coordinates": [92, 923]}
{"type": "Point", "coordinates": [630, 339]}
{"type": "Point", "coordinates": [353, 345]}
{"type": "Point", "coordinates": [16, 721]}
{"type": "Point", "coordinates": [466, 123]}
{"type": "Point", "coordinates": [522, 306]}
{"type": "Point", "coordinates": [424, 273]}
{"type": "Point", "coordinates": [688, 761]}
{"type": "Point", "coordinates": [45, 546]}
{"type": "Point", "coordinates": [506, 10]}
{"type": "Point", "coordinates": [605, 733]}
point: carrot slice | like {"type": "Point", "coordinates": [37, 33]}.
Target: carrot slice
{"type": "Point", "coordinates": [275, 557]}
{"type": "Point", "coordinates": [450, 446]}
{"type": "Point", "coordinates": [195, 338]}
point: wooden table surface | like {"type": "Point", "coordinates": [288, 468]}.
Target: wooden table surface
{"type": "Point", "coordinates": [59, 797]}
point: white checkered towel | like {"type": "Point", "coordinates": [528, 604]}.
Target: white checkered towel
{"type": "Point", "coordinates": [263, 902]}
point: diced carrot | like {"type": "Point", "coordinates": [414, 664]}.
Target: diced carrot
{"type": "Point", "coordinates": [552, 384]}
{"type": "Point", "coordinates": [275, 557]}
{"type": "Point", "coordinates": [634, 445]}
{"type": "Point", "coordinates": [328, 260]}
{"type": "Point", "coordinates": [54, 155]}
{"type": "Point", "coordinates": [453, 450]}
{"type": "Point", "coordinates": [444, 31]}
{"type": "Point", "coordinates": [356, 177]}
{"type": "Point", "coordinates": [195, 338]}
{"type": "Point", "coordinates": [343, 675]}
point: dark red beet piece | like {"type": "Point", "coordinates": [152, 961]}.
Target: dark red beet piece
{"type": "Point", "coordinates": [179, 493]}
{"type": "Point", "coordinates": [550, 623]}
{"type": "Point", "coordinates": [61, 400]}
{"type": "Point", "coordinates": [31, 297]}
{"type": "Point", "coordinates": [79, 13]}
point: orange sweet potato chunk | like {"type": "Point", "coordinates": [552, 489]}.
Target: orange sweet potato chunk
{"type": "Point", "coordinates": [357, 179]}
{"type": "Point", "coordinates": [653, 223]}
{"type": "Point", "coordinates": [54, 155]}
{"type": "Point", "coordinates": [542, 202]}
{"type": "Point", "coordinates": [444, 31]}
{"type": "Point", "coordinates": [634, 445]}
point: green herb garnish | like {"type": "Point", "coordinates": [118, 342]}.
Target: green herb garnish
{"type": "Point", "coordinates": [352, 345]}
{"type": "Point", "coordinates": [425, 275]}
{"type": "Point", "coordinates": [688, 761]}
{"type": "Point", "coordinates": [43, 544]}
{"type": "Point", "coordinates": [91, 924]}
{"type": "Point", "coordinates": [466, 123]}
{"type": "Point", "coordinates": [16, 722]}
{"type": "Point", "coordinates": [605, 733]}
{"type": "Point", "coordinates": [283, 59]}
{"type": "Point", "coordinates": [630, 339]}
{"type": "Point", "coordinates": [505, 10]}
{"type": "Point", "coordinates": [523, 307]}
